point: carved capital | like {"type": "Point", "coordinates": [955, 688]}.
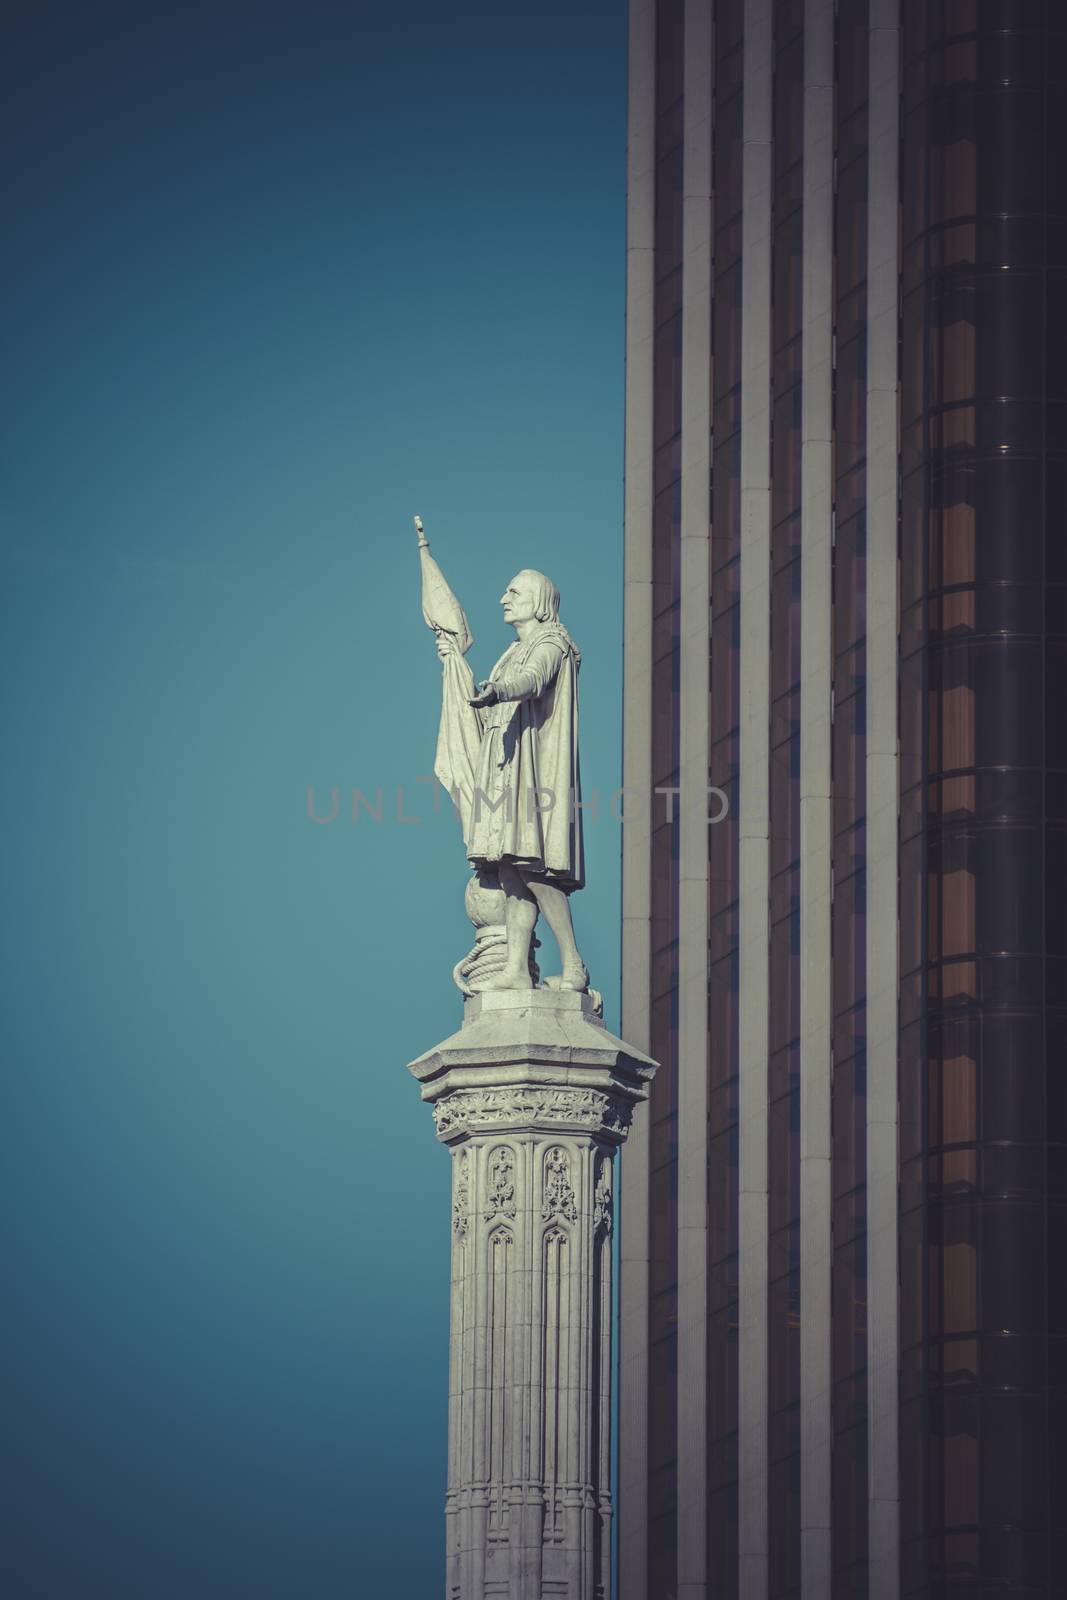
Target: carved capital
{"type": "Point", "coordinates": [466, 1111]}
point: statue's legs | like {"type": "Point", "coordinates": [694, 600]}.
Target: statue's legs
{"type": "Point", "coordinates": [555, 907]}
{"type": "Point", "coordinates": [520, 915]}
{"type": "Point", "coordinates": [525, 897]}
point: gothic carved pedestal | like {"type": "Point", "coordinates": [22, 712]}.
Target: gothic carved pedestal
{"type": "Point", "coordinates": [533, 1096]}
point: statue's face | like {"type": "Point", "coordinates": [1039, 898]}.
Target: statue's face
{"type": "Point", "coordinates": [518, 601]}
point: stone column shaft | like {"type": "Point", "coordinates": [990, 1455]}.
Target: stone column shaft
{"type": "Point", "coordinates": [533, 1097]}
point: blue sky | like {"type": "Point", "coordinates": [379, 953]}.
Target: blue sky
{"type": "Point", "coordinates": [277, 277]}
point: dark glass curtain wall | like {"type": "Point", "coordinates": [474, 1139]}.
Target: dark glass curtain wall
{"type": "Point", "coordinates": [983, 751]}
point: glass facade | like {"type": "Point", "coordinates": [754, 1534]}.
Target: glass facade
{"type": "Point", "coordinates": [981, 861]}
{"type": "Point", "coordinates": [981, 844]}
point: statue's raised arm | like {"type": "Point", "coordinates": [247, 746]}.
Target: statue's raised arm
{"type": "Point", "coordinates": [459, 733]}
{"type": "Point", "coordinates": [441, 611]}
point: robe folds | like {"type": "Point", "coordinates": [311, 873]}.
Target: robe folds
{"type": "Point", "coordinates": [513, 767]}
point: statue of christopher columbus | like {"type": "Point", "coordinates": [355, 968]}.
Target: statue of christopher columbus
{"type": "Point", "coordinates": [508, 755]}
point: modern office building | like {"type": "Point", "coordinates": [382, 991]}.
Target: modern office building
{"type": "Point", "coordinates": [843, 1347]}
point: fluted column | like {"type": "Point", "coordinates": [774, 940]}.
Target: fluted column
{"type": "Point", "coordinates": [533, 1096]}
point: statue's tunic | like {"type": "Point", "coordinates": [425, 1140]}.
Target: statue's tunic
{"type": "Point", "coordinates": [528, 791]}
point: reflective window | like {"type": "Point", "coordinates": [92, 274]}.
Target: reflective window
{"type": "Point", "coordinates": [978, 860]}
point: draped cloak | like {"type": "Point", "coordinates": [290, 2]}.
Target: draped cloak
{"type": "Point", "coordinates": [512, 768]}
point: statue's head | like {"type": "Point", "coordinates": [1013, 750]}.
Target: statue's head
{"type": "Point", "coordinates": [530, 596]}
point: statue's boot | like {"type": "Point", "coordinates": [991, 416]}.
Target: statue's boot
{"type": "Point", "coordinates": [508, 979]}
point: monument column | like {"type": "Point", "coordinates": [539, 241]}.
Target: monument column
{"type": "Point", "coordinates": [532, 1096]}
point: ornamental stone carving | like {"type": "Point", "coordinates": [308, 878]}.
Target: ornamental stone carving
{"type": "Point", "coordinates": [559, 1192]}
{"type": "Point", "coordinates": [602, 1201]}
{"type": "Point", "coordinates": [470, 1110]}
{"type": "Point", "coordinates": [500, 1185]}
{"type": "Point", "coordinates": [462, 1196]}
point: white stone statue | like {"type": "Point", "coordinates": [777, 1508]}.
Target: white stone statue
{"type": "Point", "coordinates": [508, 755]}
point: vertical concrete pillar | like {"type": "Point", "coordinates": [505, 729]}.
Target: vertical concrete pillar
{"type": "Point", "coordinates": [692, 812]}
{"type": "Point", "coordinates": [637, 780]}
{"type": "Point", "coordinates": [754, 843]}
{"type": "Point", "coordinates": [816, 831]}
{"type": "Point", "coordinates": [882, 802]}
